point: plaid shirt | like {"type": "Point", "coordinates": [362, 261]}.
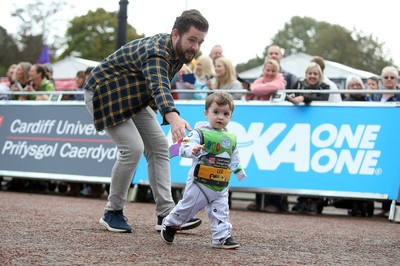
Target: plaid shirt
{"type": "Point", "coordinates": [133, 77]}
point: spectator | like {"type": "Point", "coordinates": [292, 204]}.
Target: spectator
{"type": "Point", "coordinates": [203, 72]}
{"type": "Point", "coordinates": [4, 88]}
{"type": "Point", "coordinates": [38, 76]}
{"type": "Point", "coordinates": [79, 81]}
{"type": "Point", "coordinates": [355, 83]}
{"type": "Point", "coordinates": [11, 74]}
{"type": "Point", "coordinates": [333, 97]}
{"type": "Point", "coordinates": [225, 77]}
{"type": "Point", "coordinates": [355, 207]}
{"type": "Point", "coordinates": [216, 52]}
{"type": "Point", "coordinates": [314, 81]}
{"type": "Point", "coordinates": [203, 188]}
{"type": "Point", "coordinates": [371, 84]}
{"type": "Point", "coordinates": [272, 203]}
{"type": "Point", "coordinates": [271, 81]}
{"type": "Point", "coordinates": [21, 80]}
{"type": "Point", "coordinates": [180, 84]}
{"type": "Point", "coordinates": [275, 52]}
{"type": "Point", "coordinates": [49, 73]}
{"type": "Point", "coordinates": [390, 76]}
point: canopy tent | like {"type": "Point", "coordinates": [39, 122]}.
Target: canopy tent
{"type": "Point", "coordinates": [69, 66]}
{"type": "Point", "coordinates": [64, 71]}
{"type": "Point", "coordinates": [297, 64]}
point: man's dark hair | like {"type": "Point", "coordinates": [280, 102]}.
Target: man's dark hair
{"type": "Point", "coordinates": [41, 69]}
{"type": "Point", "coordinates": [190, 18]}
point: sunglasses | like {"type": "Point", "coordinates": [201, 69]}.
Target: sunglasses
{"type": "Point", "coordinates": [389, 77]}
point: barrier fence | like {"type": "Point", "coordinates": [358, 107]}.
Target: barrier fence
{"type": "Point", "coordinates": [348, 149]}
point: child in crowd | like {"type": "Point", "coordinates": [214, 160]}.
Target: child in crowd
{"type": "Point", "coordinates": [270, 82]}
{"type": "Point", "coordinates": [371, 84]}
{"type": "Point", "coordinates": [214, 151]}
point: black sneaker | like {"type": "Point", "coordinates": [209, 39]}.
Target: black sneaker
{"type": "Point", "coordinates": [168, 233]}
{"type": "Point", "coordinates": [229, 243]}
{"type": "Point", "coordinates": [191, 224]}
{"type": "Point", "coordinates": [115, 221]}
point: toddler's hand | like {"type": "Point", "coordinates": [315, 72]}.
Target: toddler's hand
{"type": "Point", "coordinates": [241, 175]}
{"type": "Point", "coordinates": [196, 149]}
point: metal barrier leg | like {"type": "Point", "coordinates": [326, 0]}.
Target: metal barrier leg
{"type": "Point", "coordinates": [262, 204]}
{"type": "Point", "coordinates": [394, 214]}
{"type": "Point", "coordinates": [132, 192]}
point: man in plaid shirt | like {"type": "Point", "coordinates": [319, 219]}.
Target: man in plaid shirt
{"type": "Point", "coordinates": [122, 93]}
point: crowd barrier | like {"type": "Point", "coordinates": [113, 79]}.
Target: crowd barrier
{"type": "Point", "coordinates": [345, 150]}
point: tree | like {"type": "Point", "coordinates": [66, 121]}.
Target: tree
{"type": "Point", "coordinates": [8, 51]}
{"type": "Point", "coordinates": [252, 63]}
{"type": "Point", "coordinates": [332, 42]}
{"type": "Point", "coordinates": [39, 26]}
{"type": "Point", "coordinates": [93, 36]}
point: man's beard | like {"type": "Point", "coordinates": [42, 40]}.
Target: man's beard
{"type": "Point", "coordinates": [181, 54]}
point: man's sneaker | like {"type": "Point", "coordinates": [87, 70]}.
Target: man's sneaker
{"type": "Point", "coordinates": [192, 223]}
{"type": "Point", "coordinates": [229, 243]}
{"type": "Point", "coordinates": [168, 233]}
{"type": "Point", "coordinates": [115, 221]}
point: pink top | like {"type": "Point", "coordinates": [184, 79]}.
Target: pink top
{"type": "Point", "coordinates": [263, 89]}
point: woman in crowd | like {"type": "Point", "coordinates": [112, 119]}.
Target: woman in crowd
{"type": "Point", "coordinates": [21, 80]}
{"type": "Point", "coordinates": [313, 81]}
{"type": "Point", "coordinates": [225, 77]}
{"type": "Point", "coordinates": [355, 83]}
{"type": "Point", "coordinates": [203, 72]}
{"type": "Point", "coordinates": [271, 81]}
{"type": "Point", "coordinates": [390, 76]}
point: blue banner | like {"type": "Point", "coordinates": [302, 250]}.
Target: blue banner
{"type": "Point", "coordinates": [332, 148]}
{"type": "Point", "coordinates": [341, 148]}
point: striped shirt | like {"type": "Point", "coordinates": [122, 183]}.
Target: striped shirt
{"type": "Point", "coordinates": [133, 77]}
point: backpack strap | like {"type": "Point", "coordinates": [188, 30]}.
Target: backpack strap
{"type": "Point", "coordinates": [200, 135]}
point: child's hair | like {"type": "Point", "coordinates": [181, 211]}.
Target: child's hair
{"type": "Point", "coordinates": [272, 62]}
{"type": "Point", "coordinates": [220, 98]}
{"type": "Point", "coordinates": [374, 79]}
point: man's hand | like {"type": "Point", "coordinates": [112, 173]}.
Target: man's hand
{"type": "Point", "coordinates": [178, 125]}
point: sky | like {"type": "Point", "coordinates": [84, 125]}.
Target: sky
{"type": "Point", "coordinates": [243, 28]}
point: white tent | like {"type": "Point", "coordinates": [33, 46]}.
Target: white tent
{"type": "Point", "coordinates": [297, 64]}
{"type": "Point", "coordinates": [69, 66]}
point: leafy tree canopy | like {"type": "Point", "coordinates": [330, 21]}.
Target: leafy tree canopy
{"type": "Point", "coordinates": [332, 42]}
{"type": "Point", "coordinates": [8, 51]}
{"type": "Point", "coordinates": [94, 35]}
{"type": "Point", "coordinates": [39, 26]}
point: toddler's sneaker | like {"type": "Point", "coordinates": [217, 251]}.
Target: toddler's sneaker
{"type": "Point", "coordinates": [115, 221]}
{"type": "Point", "coordinates": [229, 243]}
{"type": "Point", "coordinates": [191, 224]}
{"type": "Point", "coordinates": [168, 233]}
